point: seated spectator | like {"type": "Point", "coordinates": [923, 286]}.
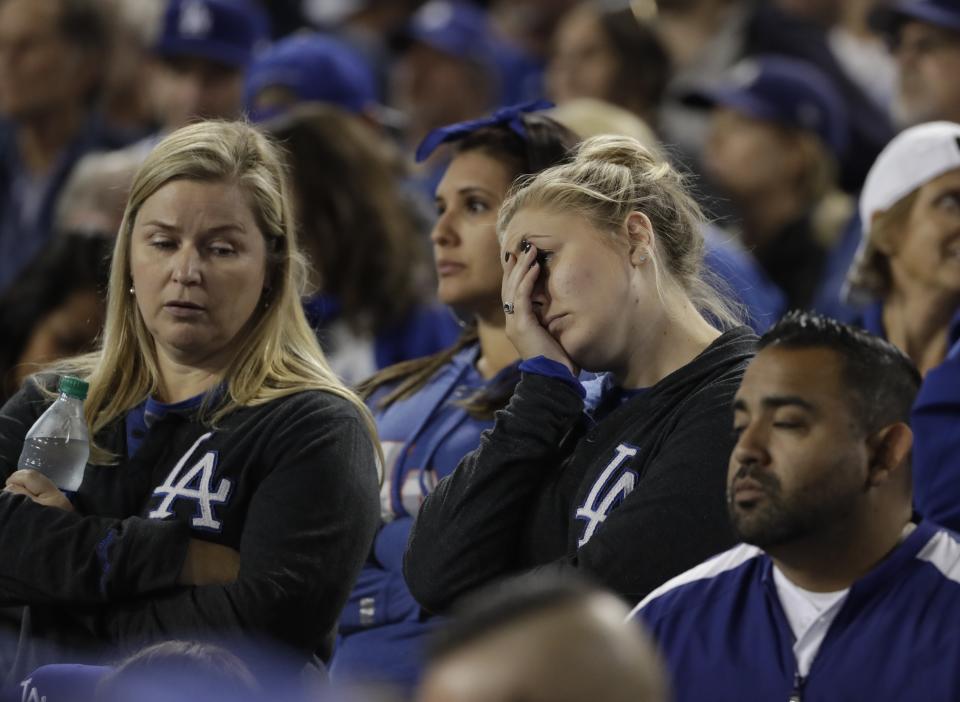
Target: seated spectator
{"type": "Point", "coordinates": [608, 55]}
{"type": "Point", "coordinates": [94, 197]}
{"type": "Point", "coordinates": [777, 129]}
{"type": "Point", "coordinates": [430, 412]}
{"type": "Point", "coordinates": [171, 671]}
{"type": "Point", "coordinates": [924, 36]}
{"type": "Point", "coordinates": [231, 489]}
{"type": "Point", "coordinates": [835, 593]}
{"type": "Point", "coordinates": [180, 670]}
{"type": "Point", "coordinates": [368, 271]}
{"type": "Point", "coordinates": [51, 71]}
{"type": "Point", "coordinates": [56, 307]}
{"type": "Point", "coordinates": [201, 54]}
{"type": "Point", "coordinates": [602, 272]}
{"type": "Point", "coordinates": [309, 68]}
{"type": "Point", "coordinates": [541, 640]}
{"type": "Point", "coordinates": [446, 71]}
{"type": "Point", "coordinates": [908, 268]}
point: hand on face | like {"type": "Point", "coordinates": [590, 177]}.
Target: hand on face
{"type": "Point", "coordinates": [523, 326]}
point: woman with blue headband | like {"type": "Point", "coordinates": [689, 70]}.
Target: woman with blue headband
{"type": "Point", "coordinates": [621, 479]}
{"type": "Point", "coordinates": [430, 412]}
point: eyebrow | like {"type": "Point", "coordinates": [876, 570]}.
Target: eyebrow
{"type": "Point", "coordinates": [777, 401]}
{"type": "Point", "coordinates": [220, 228]}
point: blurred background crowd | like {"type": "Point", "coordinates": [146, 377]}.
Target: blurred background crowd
{"type": "Point", "coordinates": [777, 108]}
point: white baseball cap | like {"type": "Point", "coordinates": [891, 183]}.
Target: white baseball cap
{"type": "Point", "coordinates": [912, 158]}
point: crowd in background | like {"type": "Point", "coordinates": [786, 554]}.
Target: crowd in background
{"type": "Point", "coordinates": [820, 139]}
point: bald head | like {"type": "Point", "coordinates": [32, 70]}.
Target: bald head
{"type": "Point", "coordinates": [576, 649]}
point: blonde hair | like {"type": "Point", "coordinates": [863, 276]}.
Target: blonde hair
{"type": "Point", "coordinates": [613, 176]}
{"type": "Point", "coordinates": [870, 277]}
{"type": "Point", "coordinates": [279, 354]}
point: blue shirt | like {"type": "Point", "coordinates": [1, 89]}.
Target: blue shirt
{"type": "Point", "coordinates": [935, 421]}
{"type": "Point", "coordinates": [725, 637]}
{"type": "Point", "coordinates": [424, 437]}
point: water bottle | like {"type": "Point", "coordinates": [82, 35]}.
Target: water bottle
{"type": "Point", "coordinates": [58, 444]}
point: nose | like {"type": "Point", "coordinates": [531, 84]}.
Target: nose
{"type": "Point", "coordinates": [540, 296]}
{"type": "Point", "coordinates": [752, 446]}
{"type": "Point", "coordinates": [444, 233]}
{"type": "Point", "coordinates": [186, 267]}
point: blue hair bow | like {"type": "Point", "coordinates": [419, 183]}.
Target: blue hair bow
{"type": "Point", "coordinates": [504, 117]}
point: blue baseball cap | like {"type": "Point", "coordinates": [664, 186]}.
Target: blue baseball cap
{"type": "Point", "coordinates": [888, 19]}
{"type": "Point", "coordinates": [315, 68]}
{"type": "Point", "coordinates": [454, 27]}
{"type": "Point", "coordinates": [785, 91]}
{"type": "Point", "coordinates": [63, 682]}
{"type": "Point", "coordinates": [226, 31]}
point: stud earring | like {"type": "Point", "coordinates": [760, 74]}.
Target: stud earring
{"type": "Point", "coordinates": [132, 291]}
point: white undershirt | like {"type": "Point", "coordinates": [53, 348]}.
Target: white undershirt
{"type": "Point", "coordinates": [810, 615]}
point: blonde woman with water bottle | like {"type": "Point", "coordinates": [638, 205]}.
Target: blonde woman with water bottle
{"type": "Point", "coordinates": [231, 490]}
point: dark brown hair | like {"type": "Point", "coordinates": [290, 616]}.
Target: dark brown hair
{"type": "Point", "coordinates": [351, 208]}
{"type": "Point", "coordinates": [546, 143]}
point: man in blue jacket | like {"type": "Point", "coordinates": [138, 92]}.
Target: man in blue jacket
{"type": "Point", "coordinates": [835, 594]}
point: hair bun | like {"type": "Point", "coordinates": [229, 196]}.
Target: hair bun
{"type": "Point", "coordinates": [617, 150]}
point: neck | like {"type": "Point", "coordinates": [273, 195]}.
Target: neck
{"type": "Point", "coordinates": [181, 381]}
{"type": "Point", "coordinates": [917, 321]}
{"type": "Point", "coordinates": [496, 351]}
{"type": "Point", "coordinates": [836, 557]}
{"type": "Point", "coordinates": [666, 345]}
{"type": "Point", "coordinates": [42, 139]}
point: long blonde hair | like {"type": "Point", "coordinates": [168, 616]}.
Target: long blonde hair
{"type": "Point", "coordinates": [278, 353]}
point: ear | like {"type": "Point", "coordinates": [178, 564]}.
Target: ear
{"type": "Point", "coordinates": [887, 453]}
{"type": "Point", "coordinates": [640, 236]}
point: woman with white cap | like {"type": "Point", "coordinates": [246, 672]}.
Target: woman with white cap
{"type": "Point", "coordinates": [909, 265]}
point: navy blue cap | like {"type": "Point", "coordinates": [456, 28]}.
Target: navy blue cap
{"type": "Point", "coordinates": [63, 682]}
{"type": "Point", "coordinates": [509, 117]}
{"type": "Point", "coordinates": [226, 31]}
{"type": "Point", "coordinates": [785, 91]}
{"type": "Point", "coordinates": [454, 27]}
{"type": "Point", "coordinates": [315, 68]}
{"type": "Point", "coordinates": [942, 13]}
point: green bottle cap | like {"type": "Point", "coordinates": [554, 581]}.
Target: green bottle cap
{"type": "Point", "coordinates": [73, 387]}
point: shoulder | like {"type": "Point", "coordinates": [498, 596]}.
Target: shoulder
{"type": "Point", "coordinates": [311, 405]}
{"type": "Point", "coordinates": [702, 585]}
{"type": "Point", "coordinates": [942, 551]}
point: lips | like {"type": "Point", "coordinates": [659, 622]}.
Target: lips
{"type": "Point", "coordinates": [184, 308]}
{"type": "Point", "coordinates": [446, 268]}
{"type": "Point", "coordinates": [746, 491]}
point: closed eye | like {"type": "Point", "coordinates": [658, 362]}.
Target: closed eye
{"type": "Point", "coordinates": [163, 244]}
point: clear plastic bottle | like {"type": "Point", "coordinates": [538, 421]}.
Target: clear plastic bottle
{"type": "Point", "coordinates": [58, 444]}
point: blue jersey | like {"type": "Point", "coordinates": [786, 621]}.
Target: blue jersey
{"type": "Point", "coordinates": [424, 437]}
{"type": "Point", "coordinates": [936, 430]}
{"type": "Point", "coordinates": [725, 637]}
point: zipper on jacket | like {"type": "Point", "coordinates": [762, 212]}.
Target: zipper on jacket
{"type": "Point", "coordinates": [797, 694]}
